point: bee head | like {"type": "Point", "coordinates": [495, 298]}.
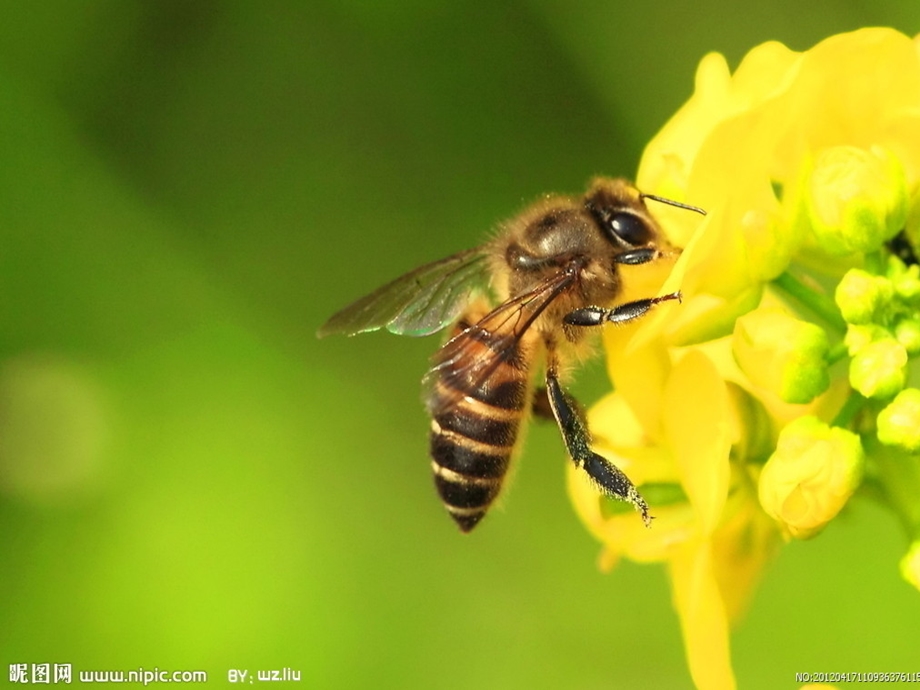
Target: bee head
{"type": "Point", "coordinates": [619, 211]}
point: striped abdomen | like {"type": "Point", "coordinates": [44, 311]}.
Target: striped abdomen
{"type": "Point", "coordinates": [475, 421]}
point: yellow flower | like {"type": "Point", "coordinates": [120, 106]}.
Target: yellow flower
{"type": "Point", "coordinates": [741, 137]}
{"type": "Point", "coordinates": [805, 162]}
{"type": "Point", "coordinates": [715, 539]}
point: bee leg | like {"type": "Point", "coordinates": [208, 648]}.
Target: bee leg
{"type": "Point", "coordinates": [595, 316]}
{"type": "Point", "coordinates": [574, 428]}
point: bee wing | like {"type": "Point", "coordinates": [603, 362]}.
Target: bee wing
{"type": "Point", "coordinates": [420, 302]}
{"type": "Point", "coordinates": [467, 360]}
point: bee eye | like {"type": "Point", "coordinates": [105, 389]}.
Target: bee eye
{"type": "Point", "coordinates": [630, 229]}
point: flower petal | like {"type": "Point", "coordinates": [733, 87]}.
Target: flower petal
{"type": "Point", "coordinates": [702, 616]}
{"type": "Point", "coordinates": [742, 547]}
{"type": "Point", "coordinates": [697, 425]}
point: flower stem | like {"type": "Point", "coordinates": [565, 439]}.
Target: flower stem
{"type": "Point", "coordinates": [875, 263]}
{"type": "Point", "coordinates": [847, 413]}
{"type": "Point", "coordinates": [820, 304]}
{"type": "Point", "coordinates": [836, 353]}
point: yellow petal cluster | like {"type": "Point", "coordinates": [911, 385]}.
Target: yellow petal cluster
{"type": "Point", "coordinates": [744, 144]}
{"type": "Point", "coordinates": [686, 423]}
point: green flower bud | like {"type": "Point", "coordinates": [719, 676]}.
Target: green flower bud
{"type": "Point", "coordinates": [910, 565]}
{"type": "Point", "coordinates": [906, 284]}
{"type": "Point", "coordinates": [861, 296]}
{"type": "Point", "coordinates": [879, 369]}
{"type": "Point", "coordinates": [899, 423]}
{"type": "Point", "coordinates": [782, 354]}
{"type": "Point", "coordinates": [896, 267]}
{"type": "Point", "coordinates": [858, 337]}
{"type": "Point", "coordinates": [907, 333]}
{"type": "Point", "coordinates": [811, 475]}
{"type": "Point", "coordinates": [856, 199]}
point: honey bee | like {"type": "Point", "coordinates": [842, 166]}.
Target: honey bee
{"type": "Point", "coordinates": [554, 273]}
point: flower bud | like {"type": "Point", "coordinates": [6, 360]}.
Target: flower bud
{"type": "Point", "coordinates": [879, 369]}
{"type": "Point", "coordinates": [907, 333]}
{"type": "Point", "coordinates": [899, 423]}
{"type": "Point", "coordinates": [861, 296]}
{"type": "Point", "coordinates": [782, 354]}
{"type": "Point", "coordinates": [904, 279]}
{"type": "Point", "coordinates": [910, 565]}
{"type": "Point", "coordinates": [858, 337]}
{"type": "Point", "coordinates": [811, 475]}
{"type": "Point", "coordinates": [856, 199]}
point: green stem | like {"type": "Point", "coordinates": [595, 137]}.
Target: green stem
{"type": "Point", "coordinates": [820, 304]}
{"type": "Point", "coordinates": [847, 413]}
{"type": "Point", "coordinates": [836, 353]}
{"type": "Point", "coordinates": [875, 263]}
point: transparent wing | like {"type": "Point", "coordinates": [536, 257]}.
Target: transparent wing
{"type": "Point", "coordinates": [467, 360]}
{"type": "Point", "coordinates": [418, 303]}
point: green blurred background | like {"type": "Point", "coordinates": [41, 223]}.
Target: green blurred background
{"type": "Point", "coordinates": [190, 480]}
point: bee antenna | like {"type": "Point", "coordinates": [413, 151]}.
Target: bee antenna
{"type": "Point", "coordinates": [671, 202]}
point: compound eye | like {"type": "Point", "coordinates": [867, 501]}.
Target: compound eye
{"type": "Point", "coordinates": [630, 229]}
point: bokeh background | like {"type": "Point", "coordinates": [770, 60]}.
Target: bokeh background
{"type": "Point", "coordinates": [190, 480]}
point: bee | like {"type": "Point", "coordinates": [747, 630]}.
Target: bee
{"type": "Point", "coordinates": [554, 271]}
